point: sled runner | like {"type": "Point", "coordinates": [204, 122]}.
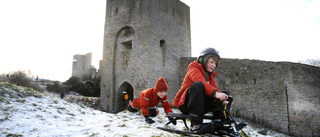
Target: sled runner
{"type": "Point", "coordinates": [224, 126]}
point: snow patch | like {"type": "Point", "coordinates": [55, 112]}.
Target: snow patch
{"type": "Point", "coordinates": [26, 112]}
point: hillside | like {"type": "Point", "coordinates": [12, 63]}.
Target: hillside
{"type": "Point", "coordinates": [25, 112]}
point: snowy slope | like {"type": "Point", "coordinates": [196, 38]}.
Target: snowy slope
{"type": "Point", "coordinates": [26, 112]}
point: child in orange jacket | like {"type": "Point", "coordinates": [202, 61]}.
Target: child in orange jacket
{"type": "Point", "coordinates": [199, 89]}
{"type": "Point", "coordinates": [149, 99]}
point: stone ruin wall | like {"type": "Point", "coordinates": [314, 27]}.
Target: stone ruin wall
{"type": "Point", "coordinates": [268, 93]}
{"type": "Point", "coordinates": [279, 95]}
{"type": "Point", "coordinates": [143, 41]}
{"type": "Point", "coordinates": [82, 68]}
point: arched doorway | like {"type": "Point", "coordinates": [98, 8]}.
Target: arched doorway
{"type": "Point", "coordinates": [121, 61]}
{"type": "Point", "coordinates": [121, 103]}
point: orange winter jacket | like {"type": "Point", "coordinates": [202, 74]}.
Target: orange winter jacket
{"type": "Point", "coordinates": [195, 73]}
{"type": "Point", "coordinates": [148, 98]}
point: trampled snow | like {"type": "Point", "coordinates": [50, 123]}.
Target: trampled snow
{"type": "Point", "coordinates": [25, 112]}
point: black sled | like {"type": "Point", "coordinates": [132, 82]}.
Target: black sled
{"type": "Point", "coordinates": [218, 127]}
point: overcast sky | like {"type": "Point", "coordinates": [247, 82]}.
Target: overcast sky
{"type": "Point", "coordinates": [43, 35]}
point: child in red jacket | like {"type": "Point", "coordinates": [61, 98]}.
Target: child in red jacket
{"type": "Point", "coordinates": [199, 89]}
{"type": "Point", "coordinates": [149, 99]}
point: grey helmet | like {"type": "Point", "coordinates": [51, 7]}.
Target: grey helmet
{"type": "Point", "coordinates": [206, 53]}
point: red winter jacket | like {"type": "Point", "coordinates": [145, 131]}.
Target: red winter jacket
{"type": "Point", "coordinates": [147, 99]}
{"type": "Point", "coordinates": [195, 73]}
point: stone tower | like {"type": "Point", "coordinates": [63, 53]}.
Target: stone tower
{"type": "Point", "coordinates": [81, 66]}
{"type": "Point", "coordinates": [143, 40]}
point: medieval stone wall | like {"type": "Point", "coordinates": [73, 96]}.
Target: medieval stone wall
{"type": "Point", "coordinates": [148, 39]}
{"type": "Point", "coordinates": [280, 95]}
{"type": "Point", "coordinates": [143, 40]}
{"type": "Point", "coordinates": [81, 66]}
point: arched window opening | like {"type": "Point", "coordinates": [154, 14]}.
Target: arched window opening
{"type": "Point", "coordinates": [127, 44]}
{"type": "Point", "coordinates": [162, 42]}
{"type": "Point", "coordinates": [128, 31]}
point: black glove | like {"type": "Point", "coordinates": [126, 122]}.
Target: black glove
{"type": "Point", "coordinates": [173, 121]}
{"type": "Point", "coordinates": [148, 120]}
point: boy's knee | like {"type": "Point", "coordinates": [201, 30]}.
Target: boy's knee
{"type": "Point", "coordinates": [131, 109]}
{"type": "Point", "coordinates": [197, 84]}
{"type": "Point", "coordinates": [196, 88]}
{"type": "Point", "coordinates": [153, 112]}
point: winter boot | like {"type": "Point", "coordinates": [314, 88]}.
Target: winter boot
{"type": "Point", "coordinates": [196, 125]}
{"type": "Point", "coordinates": [241, 125]}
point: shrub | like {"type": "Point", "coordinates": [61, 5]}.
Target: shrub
{"type": "Point", "coordinates": [74, 84]}
{"type": "Point", "coordinates": [20, 78]}
{"type": "Point", "coordinates": [85, 88]}
{"type": "Point", "coordinates": [55, 87]}
{"type": "Point", "coordinates": [72, 81]}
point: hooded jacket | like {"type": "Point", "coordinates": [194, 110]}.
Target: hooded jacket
{"type": "Point", "coordinates": [148, 98]}
{"type": "Point", "coordinates": [195, 73]}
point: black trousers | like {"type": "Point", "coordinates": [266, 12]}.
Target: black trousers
{"type": "Point", "coordinates": [152, 111]}
{"type": "Point", "coordinates": [197, 103]}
